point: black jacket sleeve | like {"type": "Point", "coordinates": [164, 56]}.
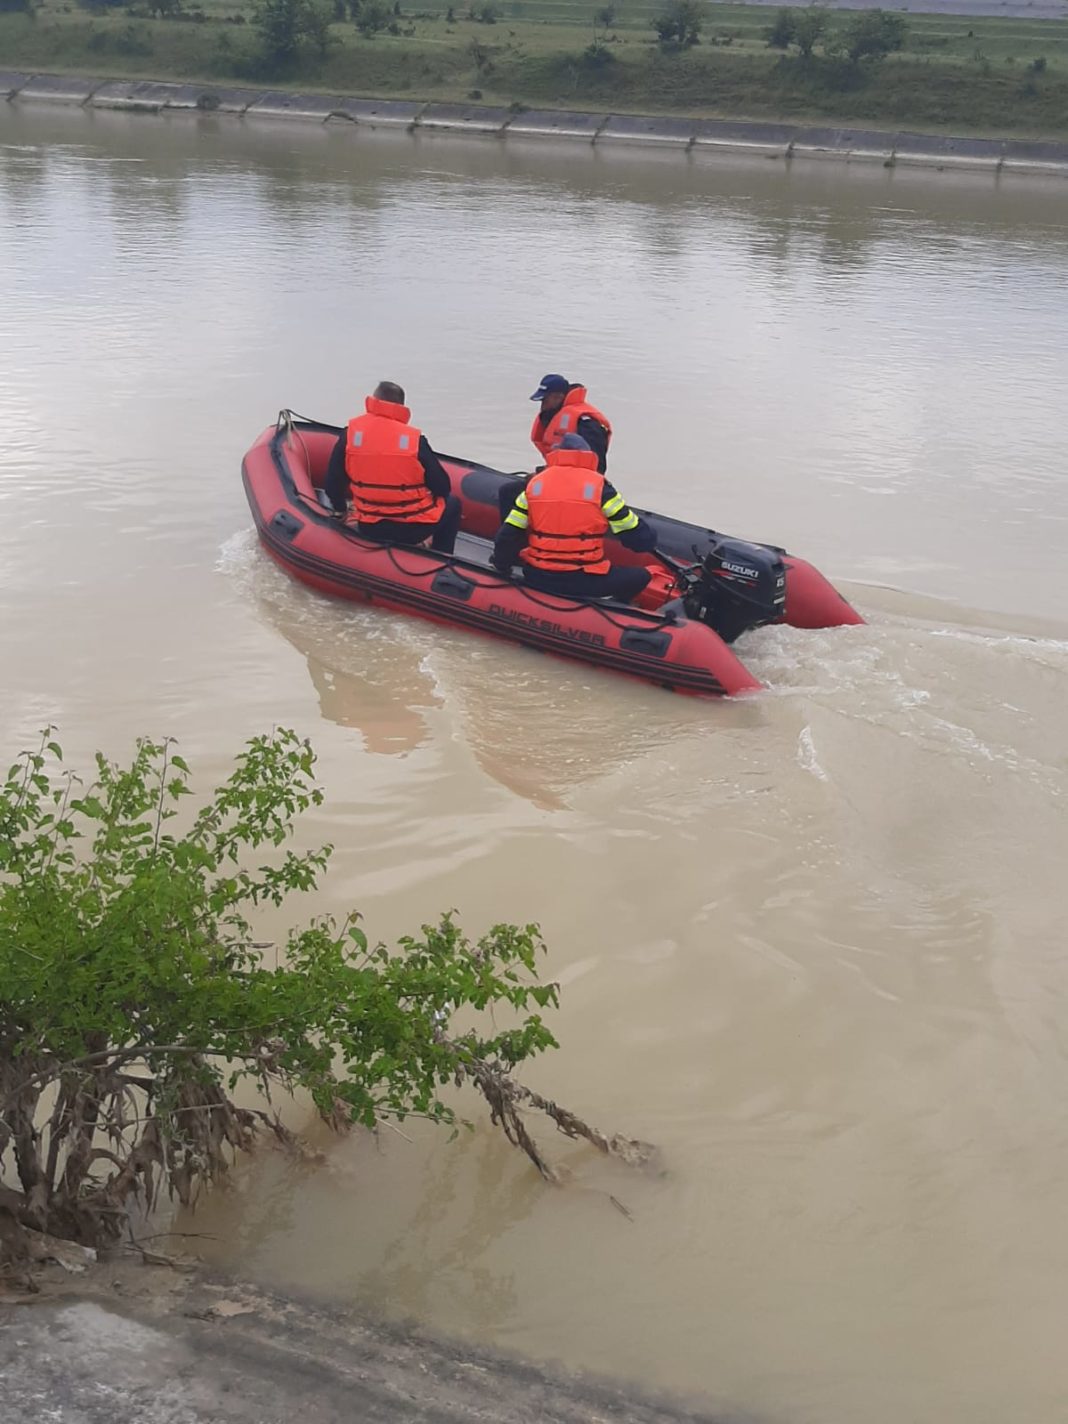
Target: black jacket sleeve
{"type": "Point", "coordinates": [336, 483]}
{"type": "Point", "coordinates": [642, 538]}
{"type": "Point", "coordinates": [596, 437]}
{"type": "Point", "coordinates": [434, 472]}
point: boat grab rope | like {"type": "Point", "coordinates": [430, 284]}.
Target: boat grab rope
{"type": "Point", "coordinates": [288, 418]}
{"type": "Point", "coordinates": [502, 581]}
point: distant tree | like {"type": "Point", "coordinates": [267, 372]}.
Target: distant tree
{"type": "Point", "coordinates": [780, 33]}
{"type": "Point", "coordinates": [597, 56]}
{"type": "Point", "coordinates": [481, 57]}
{"type": "Point", "coordinates": [373, 16]}
{"type": "Point", "coordinates": [679, 23]}
{"type": "Point", "coordinates": [810, 26]}
{"type": "Point", "coordinates": [873, 34]}
{"type": "Point", "coordinates": [286, 27]}
{"type": "Point", "coordinates": [12, 7]}
{"type": "Point", "coordinates": [319, 17]}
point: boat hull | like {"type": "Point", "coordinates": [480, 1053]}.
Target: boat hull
{"type": "Point", "coordinates": [283, 471]}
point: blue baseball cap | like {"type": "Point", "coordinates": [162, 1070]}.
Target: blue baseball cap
{"type": "Point", "coordinates": [572, 442]}
{"type": "Point", "coordinates": [550, 384]}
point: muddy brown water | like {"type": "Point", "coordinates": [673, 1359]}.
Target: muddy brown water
{"type": "Point", "coordinates": [811, 944]}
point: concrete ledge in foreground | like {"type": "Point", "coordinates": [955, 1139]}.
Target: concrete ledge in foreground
{"type": "Point", "coordinates": [293, 106]}
{"type": "Point", "coordinates": [11, 83]}
{"type": "Point", "coordinates": [634, 128]}
{"type": "Point", "coordinates": [379, 113]}
{"type": "Point", "coordinates": [58, 88]}
{"type": "Point", "coordinates": [557, 123]}
{"type": "Point", "coordinates": [463, 118]}
{"type": "Point", "coordinates": [182, 1351]}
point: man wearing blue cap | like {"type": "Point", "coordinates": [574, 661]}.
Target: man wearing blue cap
{"type": "Point", "coordinates": [564, 411]}
{"type": "Point", "coordinates": [557, 527]}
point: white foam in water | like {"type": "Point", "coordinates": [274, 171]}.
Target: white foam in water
{"type": "Point", "coordinates": [806, 755]}
{"type": "Point", "coordinates": [797, 661]}
{"type": "Point", "coordinates": [336, 623]}
{"type": "Point", "coordinates": [942, 689]}
{"type": "Point", "coordinates": [238, 553]}
{"type": "Point", "coordinates": [1051, 652]}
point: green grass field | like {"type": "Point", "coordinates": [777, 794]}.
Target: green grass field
{"type": "Point", "coordinates": [968, 75]}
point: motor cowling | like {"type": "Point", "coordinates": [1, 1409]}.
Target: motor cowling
{"type": "Point", "coordinates": [738, 586]}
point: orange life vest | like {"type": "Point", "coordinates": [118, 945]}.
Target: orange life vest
{"type": "Point", "coordinates": [566, 528]}
{"type": "Point", "coordinates": [382, 463]}
{"type": "Point", "coordinates": [565, 421]}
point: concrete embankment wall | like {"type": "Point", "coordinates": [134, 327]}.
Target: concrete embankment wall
{"type": "Point", "coordinates": [709, 136]}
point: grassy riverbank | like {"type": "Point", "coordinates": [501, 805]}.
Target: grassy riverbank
{"type": "Point", "coordinates": [994, 76]}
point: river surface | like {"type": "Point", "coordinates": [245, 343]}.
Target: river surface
{"type": "Point", "coordinates": [811, 944]}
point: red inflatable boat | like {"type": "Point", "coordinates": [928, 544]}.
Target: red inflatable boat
{"type": "Point", "coordinates": [716, 589]}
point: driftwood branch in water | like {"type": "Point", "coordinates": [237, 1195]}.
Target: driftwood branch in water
{"type": "Point", "coordinates": [507, 1099]}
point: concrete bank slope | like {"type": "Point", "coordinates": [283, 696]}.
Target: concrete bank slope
{"type": "Point", "coordinates": [694, 136]}
{"type": "Point", "coordinates": [146, 1345]}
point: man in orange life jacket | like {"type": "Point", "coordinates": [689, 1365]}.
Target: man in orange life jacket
{"type": "Point", "coordinates": [399, 490]}
{"type": "Point", "coordinates": [564, 411]}
{"type": "Point", "coordinates": [557, 527]}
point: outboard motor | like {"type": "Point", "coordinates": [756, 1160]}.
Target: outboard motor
{"type": "Point", "coordinates": [738, 586]}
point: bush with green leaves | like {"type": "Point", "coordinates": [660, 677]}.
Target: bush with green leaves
{"type": "Point", "coordinates": [135, 996]}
